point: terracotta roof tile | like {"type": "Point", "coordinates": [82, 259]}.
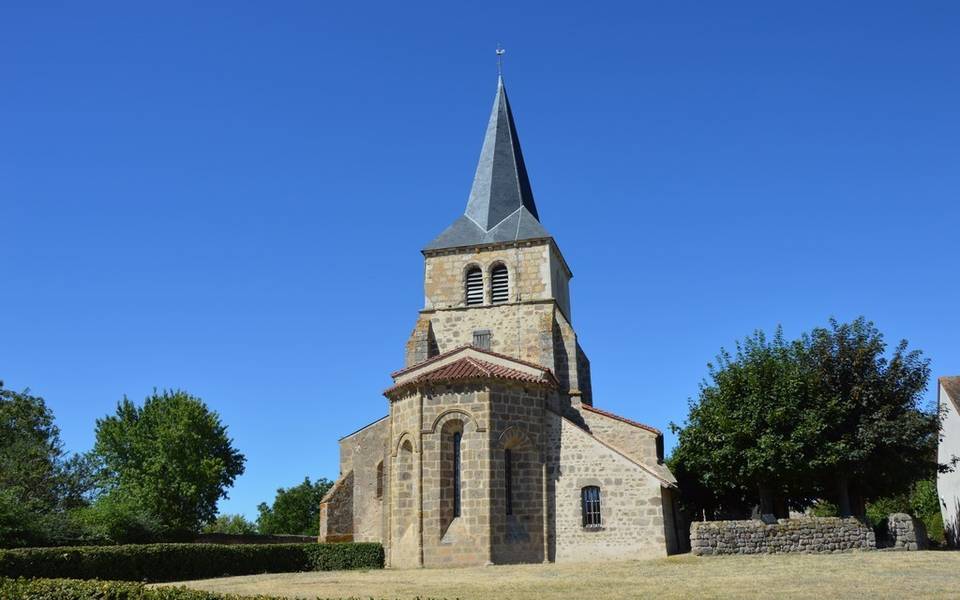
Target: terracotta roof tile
{"type": "Point", "coordinates": [458, 349]}
{"type": "Point", "coordinates": [472, 368]}
{"type": "Point", "coordinates": [623, 419]}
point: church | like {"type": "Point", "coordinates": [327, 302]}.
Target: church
{"type": "Point", "coordinates": [492, 451]}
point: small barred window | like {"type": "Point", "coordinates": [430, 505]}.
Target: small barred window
{"type": "Point", "coordinates": [481, 339]}
{"type": "Point", "coordinates": [500, 284]}
{"type": "Point", "coordinates": [590, 500]}
{"type": "Point", "coordinates": [474, 286]}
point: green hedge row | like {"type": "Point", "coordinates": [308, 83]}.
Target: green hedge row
{"type": "Point", "coordinates": [178, 562]}
{"type": "Point", "coordinates": [75, 589]}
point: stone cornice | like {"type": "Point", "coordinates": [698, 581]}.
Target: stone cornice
{"type": "Point", "coordinates": [481, 306]}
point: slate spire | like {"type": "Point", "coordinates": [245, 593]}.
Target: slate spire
{"type": "Point", "coordinates": [500, 185]}
{"type": "Point", "coordinates": [500, 207]}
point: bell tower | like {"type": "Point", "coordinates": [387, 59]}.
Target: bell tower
{"type": "Point", "coordinates": [495, 278]}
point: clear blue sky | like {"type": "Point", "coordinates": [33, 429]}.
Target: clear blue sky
{"type": "Point", "coordinates": [230, 197]}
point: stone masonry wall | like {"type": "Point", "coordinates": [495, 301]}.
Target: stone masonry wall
{"type": "Point", "coordinates": [638, 443]}
{"type": "Point", "coordinates": [805, 535]}
{"type": "Point", "coordinates": [403, 482]}
{"type": "Point", "coordinates": [528, 266]}
{"type": "Point", "coordinates": [516, 423]}
{"type": "Point", "coordinates": [464, 540]}
{"type": "Point", "coordinates": [515, 328]}
{"type": "Point", "coordinates": [366, 449]}
{"type": "Point", "coordinates": [336, 511]}
{"type": "Point", "coordinates": [631, 502]}
{"type": "Point", "coordinates": [904, 533]}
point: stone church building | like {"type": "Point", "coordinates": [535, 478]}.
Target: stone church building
{"type": "Point", "coordinates": [492, 450]}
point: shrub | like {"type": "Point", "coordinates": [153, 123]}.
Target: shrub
{"type": "Point", "coordinates": [339, 557]}
{"type": "Point", "coordinates": [178, 562]}
{"type": "Point", "coordinates": [75, 589]}
{"type": "Point", "coordinates": [921, 502]}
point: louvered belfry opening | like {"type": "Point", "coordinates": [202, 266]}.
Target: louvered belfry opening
{"type": "Point", "coordinates": [499, 284]}
{"type": "Point", "coordinates": [474, 286]}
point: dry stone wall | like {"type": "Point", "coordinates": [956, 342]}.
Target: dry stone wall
{"type": "Point", "coordinates": [905, 533]}
{"type": "Point", "coordinates": [804, 535]}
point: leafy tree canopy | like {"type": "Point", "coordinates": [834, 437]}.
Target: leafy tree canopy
{"type": "Point", "coordinates": [232, 524]}
{"type": "Point", "coordinates": [39, 483]}
{"type": "Point", "coordinates": [164, 464]}
{"type": "Point", "coordinates": [876, 439]}
{"type": "Point", "coordinates": [295, 510]}
{"type": "Point", "coordinates": [826, 416]}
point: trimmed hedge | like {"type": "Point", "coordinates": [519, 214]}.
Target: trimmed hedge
{"type": "Point", "coordinates": [178, 562]}
{"type": "Point", "coordinates": [75, 589]}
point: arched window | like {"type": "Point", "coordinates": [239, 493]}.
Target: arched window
{"type": "Point", "coordinates": [590, 503]}
{"type": "Point", "coordinates": [474, 286]}
{"type": "Point", "coordinates": [508, 478]}
{"type": "Point", "coordinates": [499, 284]}
{"type": "Point", "coordinates": [457, 438]}
{"type": "Point", "coordinates": [380, 480]}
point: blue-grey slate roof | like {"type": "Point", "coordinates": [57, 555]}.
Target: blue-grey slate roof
{"type": "Point", "coordinates": [501, 206]}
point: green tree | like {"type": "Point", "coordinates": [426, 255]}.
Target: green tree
{"type": "Point", "coordinates": [295, 510]}
{"type": "Point", "coordinates": [39, 483]}
{"type": "Point", "coordinates": [163, 465]}
{"type": "Point", "coordinates": [876, 440]}
{"type": "Point", "coordinates": [232, 524]}
{"type": "Point", "coordinates": [828, 417]}
{"type": "Point", "coordinates": [750, 433]}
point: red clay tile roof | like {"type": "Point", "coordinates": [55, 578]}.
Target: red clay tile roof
{"type": "Point", "coordinates": [623, 419]}
{"type": "Point", "coordinates": [471, 368]}
{"type": "Point", "coordinates": [458, 349]}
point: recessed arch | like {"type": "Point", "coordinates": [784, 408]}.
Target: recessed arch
{"type": "Point", "coordinates": [514, 437]}
{"type": "Point", "coordinates": [405, 437]}
{"type": "Point", "coordinates": [452, 413]}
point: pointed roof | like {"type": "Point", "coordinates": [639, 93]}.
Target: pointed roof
{"type": "Point", "coordinates": [951, 386]}
{"type": "Point", "coordinates": [470, 363]}
{"type": "Point", "coordinates": [501, 206]}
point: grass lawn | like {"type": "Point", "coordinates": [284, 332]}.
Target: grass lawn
{"type": "Point", "coordinates": [867, 574]}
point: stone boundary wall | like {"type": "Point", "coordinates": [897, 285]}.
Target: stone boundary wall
{"type": "Point", "coordinates": [806, 535]}
{"type": "Point", "coordinates": [253, 538]}
{"type": "Point", "coordinates": [905, 533]}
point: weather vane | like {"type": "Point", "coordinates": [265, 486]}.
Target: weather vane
{"type": "Point", "coordinates": [500, 53]}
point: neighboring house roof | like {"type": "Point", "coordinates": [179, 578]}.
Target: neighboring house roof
{"type": "Point", "coordinates": [472, 368]}
{"type": "Point", "coordinates": [501, 206]}
{"type": "Point", "coordinates": [952, 386]}
{"type": "Point", "coordinates": [594, 409]}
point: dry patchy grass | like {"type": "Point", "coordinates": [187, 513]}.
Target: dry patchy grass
{"type": "Point", "coordinates": [857, 575]}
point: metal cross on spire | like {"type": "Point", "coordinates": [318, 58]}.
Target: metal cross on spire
{"type": "Point", "coordinates": [500, 53]}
